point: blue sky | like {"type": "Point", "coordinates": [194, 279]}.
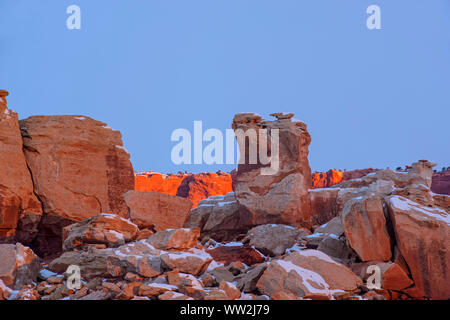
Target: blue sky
{"type": "Point", "coordinates": [371, 98]}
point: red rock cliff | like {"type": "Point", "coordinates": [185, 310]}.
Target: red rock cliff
{"type": "Point", "coordinates": [195, 187]}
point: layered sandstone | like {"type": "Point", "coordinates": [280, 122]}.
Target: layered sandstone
{"type": "Point", "coordinates": [79, 168]}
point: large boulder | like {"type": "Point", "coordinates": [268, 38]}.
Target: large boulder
{"type": "Point", "coordinates": [108, 229]}
{"type": "Point", "coordinates": [273, 239]}
{"type": "Point", "coordinates": [176, 239]}
{"type": "Point", "coordinates": [79, 168]}
{"type": "Point", "coordinates": [139, 257]}
{"type": "Point", "coordinates": [276, 192]}
{"type": "Point", "coordinates": [366, 230]}
{"type": "Point", "coordinates": [20, 210]}
{"type": "Point", "coordinates": [92, 263]}
{"type": "Point", "coordinates": [19, 265]}
{"type": "Point", "coordinates": [157, 210]}
{"type": "Point", "coordinates": [307, 274]}
{"type": "Point", "coordinates": [217, 217]}
{"type": "Point", "coordinates": [193, 261]}
{"type": "Point", "coordinates": [423, 236]}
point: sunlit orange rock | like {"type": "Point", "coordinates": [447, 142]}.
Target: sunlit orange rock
{"type": "Point", "coordinates": [194, 187]}
{"type": "Point", "coordinates": [327, 179]}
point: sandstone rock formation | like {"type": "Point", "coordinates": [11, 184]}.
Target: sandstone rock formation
{"type": "Point", "coordinates": [20, 210]}
{"type": "Point", "coordinates": [157, 210]}
{"type": "Point", "coordinates": [194, 187]}
{"type": "Point", "coordinates": [105, 229]}
{"type": "Point", "coordinates": [441, 182]}
{"type": "Point", "coordinates": [280, 195]}
{"type": "Point", "coordinates": [79, 169]}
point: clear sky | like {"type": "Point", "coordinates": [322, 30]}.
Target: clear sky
{"type": "Point", "coordinates": [371, 98]}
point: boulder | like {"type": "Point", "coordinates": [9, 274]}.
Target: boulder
{"type": "Point", "coordinates": [422, 235]}
{"type": "Point", "coordinates": [276, 192]}
{"type": "Point", "coordinates": [178, 239]}
{"type": "Point", "coordinates": [193, 261]}
{"type": "Point", "coordinates": [328, 203]}
{"type": "Point", "coordinates": [106, 228]}
{"type": "Point", "coordinates": [233, 252]}
{"type": "Point", "coordinates": [307, 274]}
{"type": "Point", "coordinates": [92, 263]}
{"type": "Point", "coordinates": [217, 217]}
{"type": "Point", "coordinates": [329, 239]}
{"type": "Point", "coordinates": [20, 209]}
{"type": "Point", "coordinates": [155, 289]}
{"type": "Point", "coordinates": [334, 226]}
{"type": "Point", "coordinates": [247, 281]}
{"type": "Point", "coordinates": [273, 239]}
{"type": "Point", "coordinates": [173, 296]}
{"type": "Point", "coordinates": [366, 230]}
{"type": "Point", "coordinates": [139, 257]}
{"type": "Point", "coordinates": [157, 210]}
{"type": "Point", "coordinates": [19, 265]}
{"type": "Point", "coordinates": [230, 290]}
{"type": "Point", "coordinates": [393, 275]}
{"type": "Point", "coordinates": [79, 168]}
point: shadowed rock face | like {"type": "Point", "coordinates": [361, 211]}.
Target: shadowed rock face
{"type": "Point", "coordinates": [441, 182]}
{"type": "Point", "coordinates": [282, 196]}
{"type": "Point", "coordinates": [20, 210]}
{"type": "Point", "coordinates": [79, 168]}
